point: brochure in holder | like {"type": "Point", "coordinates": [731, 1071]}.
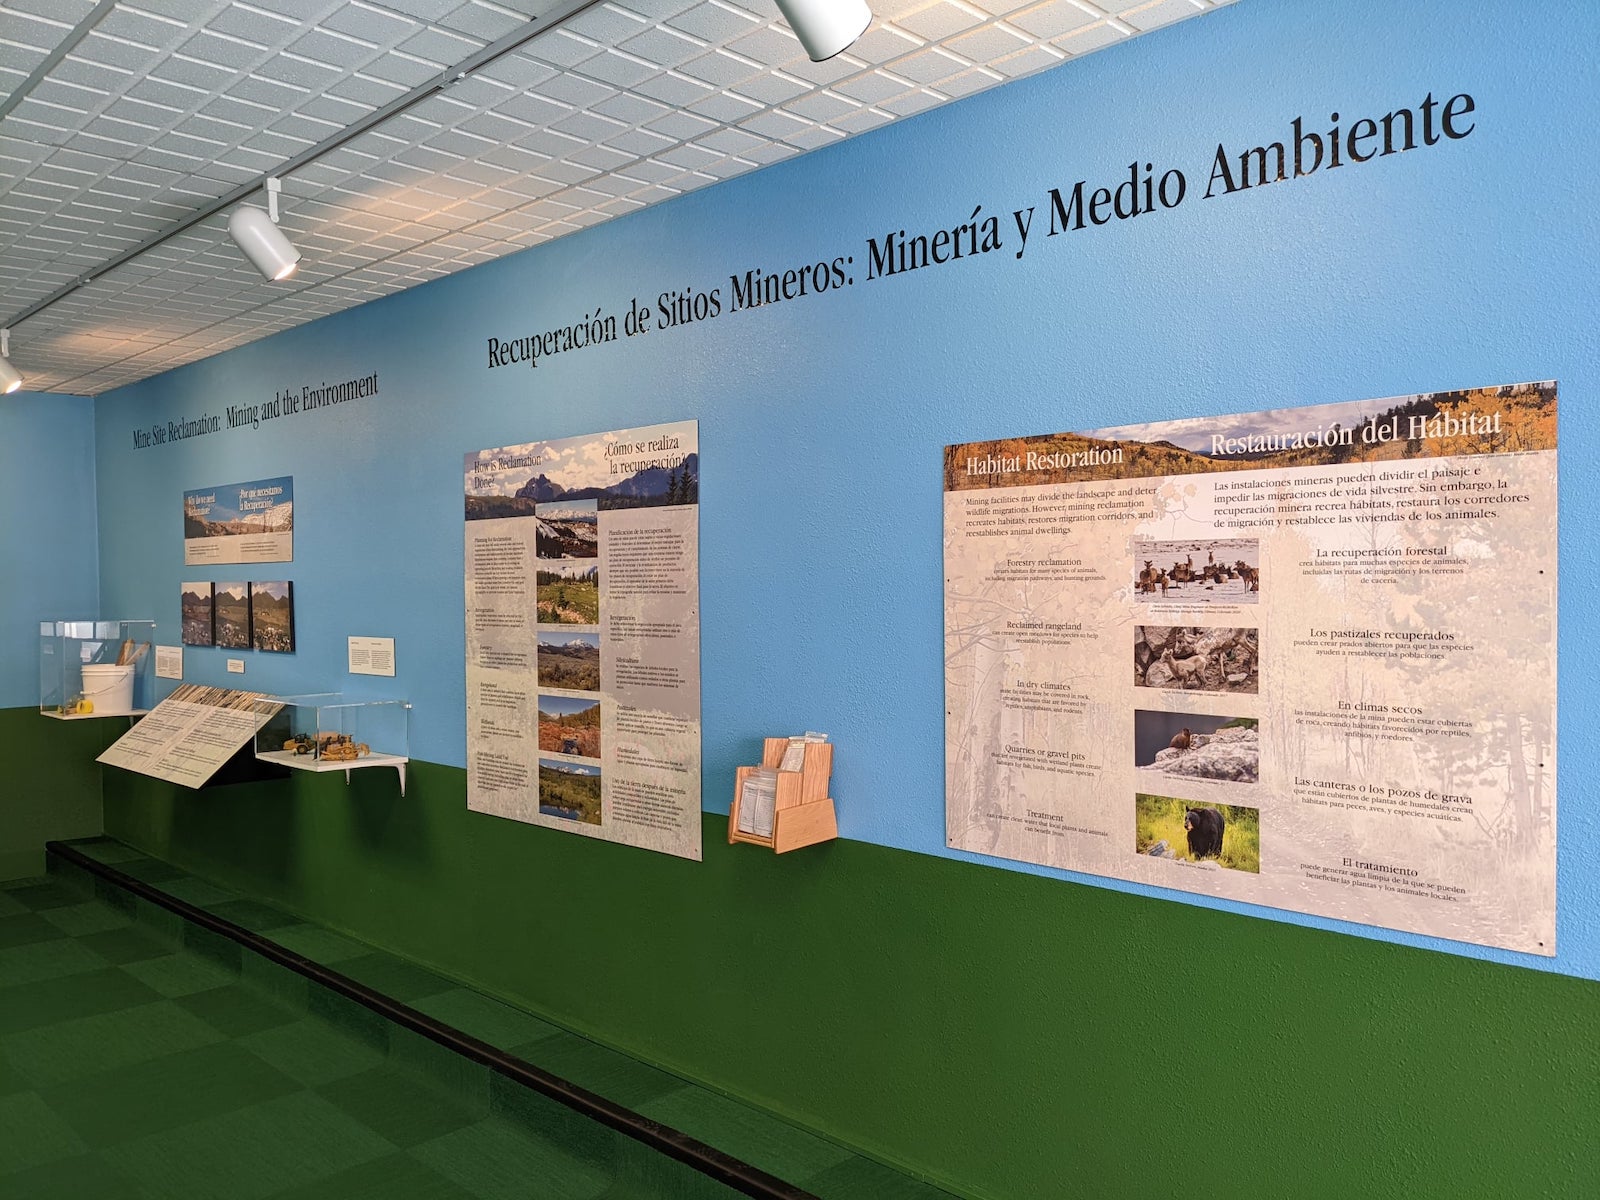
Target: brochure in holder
{"type": "Point", "coordinates": [783, 804]}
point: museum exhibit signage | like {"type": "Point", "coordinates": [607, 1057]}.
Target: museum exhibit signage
{"type": "Point", "coordinates": [1303, 658]}
{"type": "Point", "coordinates": [239, 522]}
{"type": "Point", "coordinates": [191, 734]}
{"type": "Point", "coordinates": [583, 635]}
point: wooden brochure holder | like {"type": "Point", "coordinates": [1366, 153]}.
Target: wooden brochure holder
{"type": "Point", "coordinates": [803, 811]}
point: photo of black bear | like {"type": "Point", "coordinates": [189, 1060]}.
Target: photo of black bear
{"type": "Point", "coordinates": [1204, 828]}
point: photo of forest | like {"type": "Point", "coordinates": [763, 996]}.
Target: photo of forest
{"type": "Point", "coordinates": [570, 791]}
{"type": "Point", "coordinates": [568, 593]}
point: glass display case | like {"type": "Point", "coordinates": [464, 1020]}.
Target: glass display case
{"type": "Point", "coordinates": [96, 668]}
{"type": "Point", "coordinates": [329, 732]}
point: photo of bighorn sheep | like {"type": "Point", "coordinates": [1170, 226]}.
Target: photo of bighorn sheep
{"type": "Point", "coordinates": [1219, 571]}
{"type": "Point", "coordinates": [1194, 658]}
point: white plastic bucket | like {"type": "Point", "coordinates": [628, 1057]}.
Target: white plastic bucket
{"type": "Point", "coordinates": [109, 688]}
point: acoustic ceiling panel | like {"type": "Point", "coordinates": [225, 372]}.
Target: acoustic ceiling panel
{"type": "Point", "coordinates": [119, 121]}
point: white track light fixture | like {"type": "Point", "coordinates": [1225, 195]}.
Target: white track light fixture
{"type": "Point", "coordinates": [826, 27]}
{"type": "Point", "coordinates": [258, 235]}
{"type": "Point", "coordinates": [10, 377]}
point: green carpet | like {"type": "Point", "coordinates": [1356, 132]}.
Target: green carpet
{"type": "Point", "coordinates": [140, 1057]}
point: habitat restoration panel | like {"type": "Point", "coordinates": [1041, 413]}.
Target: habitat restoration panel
{"type": "Point", "coordinates": [1302, 658]}
{"type": "Point", "coordinates": [583, 635]}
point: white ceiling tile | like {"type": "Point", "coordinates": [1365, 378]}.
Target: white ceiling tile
{"type": "Point", "coordinates": [194, 72]}
{"type": "Point", "coordinates": [861, 120]}
{"type": "Point", "coordinates": [1091, 37]}
{"type": "Point", "coordinates": [988, 43]}
{"type": "Point", "coordinates": [208, 47]}
{"type": "Point", "coordinates": [912, 102]}
{"type": "Point", "coordinates": [720, 68]}
{"type": "Point", "coordinates": [930, 66]}
{"type": "Point", "coordinates": [618, 68]}
{"type": "Point", "coordinates": [682, 125]}
{"type": "Point", "coordinates": [664, 45]}
{"type": "Point", "coordinates": [171, 104]}
{"type": "Point", "coordinates": [631, 108]}
{"type": "Point", "coordinates": [371, 23]}
{"type": "Point", "coordinates": [1051, 19]}
{"type": "Point", "coordinates": [769, 45]}
{"type": "Point", "coordinates": [873, 87]}
{"type": "Point", "coordinates": [1035, 58]}
{"type": "Point", "coordinates": [439, 47]}
{"type": "Point", "coordinates": [726, 107]}
{"type": "Point", "coordinates": [1163, 12]}
{"type": "Point", "coordinates": [576, 91]}
{"type": "Point", "coordinates": [675, 89]}
{"type": "Point", "coordinates": [562, 49]}
{"type": "Point", "coordinates": [939, 21]}
{"type": "Point", "coordinates": [774, 88]}
{"type": "Point", "coordinates": [713, 23]}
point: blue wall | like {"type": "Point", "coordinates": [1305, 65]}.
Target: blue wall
{"type": "Point", "coordinates": [48, 564]}
{"type": "Point", "coordinates": [1467, 263]}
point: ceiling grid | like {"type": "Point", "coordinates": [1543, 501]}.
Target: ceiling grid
{"type": "Point", "coordinates": [159, 108]}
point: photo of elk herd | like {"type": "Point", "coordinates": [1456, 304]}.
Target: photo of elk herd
{"type": "Point", "coordinates": [1223, 571]}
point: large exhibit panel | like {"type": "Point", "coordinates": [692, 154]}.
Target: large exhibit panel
{"type": "Point", "coordinates": [1304, 658]}
{"type": "Point", "coordinates": [1456, 259]}
{"type": "Point", "coordinates": [583, 635]}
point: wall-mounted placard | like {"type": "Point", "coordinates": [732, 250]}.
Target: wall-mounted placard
{"type": "Point", "coordinates": [169, 662]}
{"type": "Point", "coordinates": [371, 656]}
{"type": "Point", "coordinates": [239, 522]}
{"type": "Point", "coordinates": [583, 635]}
{"type": "Point", "coordinates": [1302, 658]}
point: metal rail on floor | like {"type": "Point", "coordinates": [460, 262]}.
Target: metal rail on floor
{"type": "Point", "coordinates": [709, 1161]}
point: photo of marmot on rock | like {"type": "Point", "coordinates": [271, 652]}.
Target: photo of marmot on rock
{"type": "Point", "coordinates": [1202, 746]}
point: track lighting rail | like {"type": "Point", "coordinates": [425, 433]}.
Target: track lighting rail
{"type": "Point", "coordinates": [563, 11]}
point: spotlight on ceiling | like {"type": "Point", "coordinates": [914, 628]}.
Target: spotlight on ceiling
{"type": "Point", "coordinates": [10, 377]}
{"type": "Point", "coordinates": [258, 235]}
{"type": "Point", "coordinates": [826, 27]}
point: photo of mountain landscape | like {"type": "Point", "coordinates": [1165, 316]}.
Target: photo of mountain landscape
{"type": "Point", "coordinates": [568, 529]}
{"type": "Point", "coordinates": [233, 615]}
{"type": "Point", "coordinates": [623, 469]}
{"type": "Point", "coordinates": [272, 616]}
{"type": "Point", "coordinates": [570, 791]}
{"type": "Point", "coordinates": [199, 614]}
{"type": "Point", "coordinates": [570, 660]}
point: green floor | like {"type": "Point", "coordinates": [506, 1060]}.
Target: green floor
{"type": "Point", "coordinates": [135, 1066]}
{"type": "Point", "coordinates": [142, 1056]}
